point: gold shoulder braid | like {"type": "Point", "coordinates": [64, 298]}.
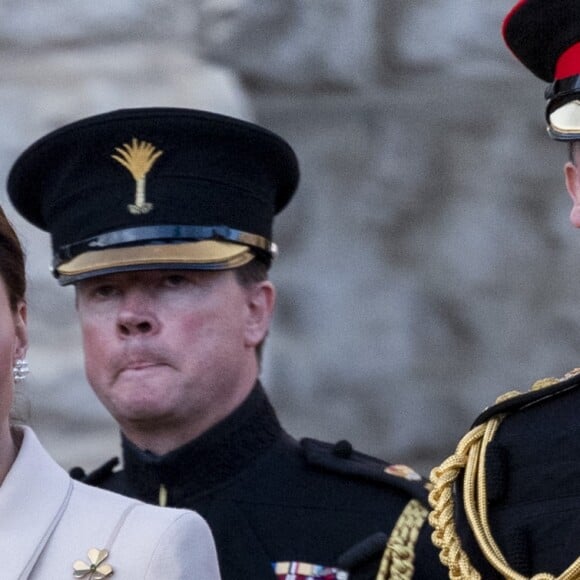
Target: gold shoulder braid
{"type": "Point", "coordinates": [397, 562]}
{"type": "Point", "coordinates": [470, 456]}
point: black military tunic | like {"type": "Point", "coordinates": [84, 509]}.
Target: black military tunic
{"type": "Point", "coordinates": [269, 499]}
{"type": "Point", "coordinates": [530, 470]}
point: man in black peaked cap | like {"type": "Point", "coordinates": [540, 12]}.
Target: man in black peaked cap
{"type": "Point", "coordinates": [506, 504]}
{"type": "Point", "coordinates": [162, 219]}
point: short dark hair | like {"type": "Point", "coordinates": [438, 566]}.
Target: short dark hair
{"type": "Point", "coordinates": [12, 262]}
{"type": "Point", "coordinates": [252, 273]}
{"type": "Point", "coordinates": [572, 148]}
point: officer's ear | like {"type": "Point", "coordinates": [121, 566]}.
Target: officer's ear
{"type": "Point", "coordinates": [261, 297]}
{"type": "Point", "coordinates": [573, 186]}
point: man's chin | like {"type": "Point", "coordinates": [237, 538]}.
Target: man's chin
{"type": "Point", "coordinates": [151, 411]}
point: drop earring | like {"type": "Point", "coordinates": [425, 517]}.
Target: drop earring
{"type": "Point", "coordinates": [20, 370]}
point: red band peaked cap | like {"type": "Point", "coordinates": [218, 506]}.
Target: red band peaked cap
{"type": "Point", "coordinates": [544, 35]}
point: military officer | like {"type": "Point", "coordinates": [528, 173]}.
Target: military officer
{"type": "Point", "coordinates": [506, 503]}
{"type": "Point", "coordinates": [162, 220]}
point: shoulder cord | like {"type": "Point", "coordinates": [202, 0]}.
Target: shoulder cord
{"type": "Point", "coordinates": [470, 455]}
{"type": "Point", "coordinates": [398, 559]}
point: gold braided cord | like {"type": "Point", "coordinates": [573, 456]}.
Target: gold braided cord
{"type": "Point", "coordinates": [399, 556]}
{"type": "Point", "coordinates": [445, 535]}
{"type": "Point", "coordinates": [475, 494]}
{"type": "Point", "coordinates": [470, 457]}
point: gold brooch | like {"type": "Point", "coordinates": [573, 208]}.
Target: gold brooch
{"type": "Point", "coordinates": [95, 570]}
{"type": "Point", "coordinates": [138, 158]}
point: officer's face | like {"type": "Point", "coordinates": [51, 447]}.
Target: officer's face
{"type": "Point", "coordinates": [171, 353]}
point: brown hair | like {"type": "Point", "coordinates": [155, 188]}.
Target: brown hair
{"type": "Point", "coordinates": [12, 273]}
{"type": "Point", "coordinates": [11, 262]}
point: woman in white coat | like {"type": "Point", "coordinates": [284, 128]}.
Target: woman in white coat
{"type": "Point", "coordinates": [53, 527]}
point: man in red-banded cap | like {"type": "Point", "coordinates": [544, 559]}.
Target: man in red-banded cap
{"type": "Point", "coordinates": [545, 37]}
{"type": "Point", "coordinates": [506, 503]}
{"type": "Point", "coordinates": [162, 219]}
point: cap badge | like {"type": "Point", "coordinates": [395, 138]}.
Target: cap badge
{"type": "Point", "coordinates": [138, 158]}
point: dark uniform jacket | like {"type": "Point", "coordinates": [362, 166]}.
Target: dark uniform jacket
{"type": "Point", "coordinates": [269, 499]}
{"type": "Point", "coordinates": [532, 483]}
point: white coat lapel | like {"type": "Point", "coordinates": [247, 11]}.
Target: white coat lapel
{"type": "Point", "coordinates": [33, 498]}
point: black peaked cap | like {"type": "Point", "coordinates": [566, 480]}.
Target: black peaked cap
{"type": "Point", "coordinates": [204, 169]}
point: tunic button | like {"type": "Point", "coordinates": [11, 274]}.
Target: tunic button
{"type": "Point", "coordinates": [342, 449]}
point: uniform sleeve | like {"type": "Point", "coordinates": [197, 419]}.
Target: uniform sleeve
{"type": "Point", "coordinates": [185, 551]}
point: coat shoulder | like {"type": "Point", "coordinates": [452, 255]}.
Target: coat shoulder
{"type": "Point", "coordinates": [544, 391]}
{"type": "Point", "coordinates": [342, 459]}
{"type": "Point", "coordinates": [137, 540]}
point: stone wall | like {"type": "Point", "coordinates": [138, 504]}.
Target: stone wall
{"type": "Point", "coordinates": [427, 264]}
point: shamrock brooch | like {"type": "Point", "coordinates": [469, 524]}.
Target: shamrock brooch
{"type": "Point", "coordinates": [95, 570]}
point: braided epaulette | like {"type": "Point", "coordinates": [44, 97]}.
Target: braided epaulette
{"type": "Point", "coordinates": [468, 461]}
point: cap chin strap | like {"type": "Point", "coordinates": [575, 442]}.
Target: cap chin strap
{"type": "Point", "coordinates": [470, 457]}
{"type": "Point", "coordinates": [163, 234]}
{"type": "Point", "coordinates": [562, 116]}
{"type": "Point", "coordinates": [203, 255]}
{"type": "Point", "coordinates": [564, 121]}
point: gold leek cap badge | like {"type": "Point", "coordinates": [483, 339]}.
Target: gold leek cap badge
{"type": "Point", "coordinates": [138, 158]}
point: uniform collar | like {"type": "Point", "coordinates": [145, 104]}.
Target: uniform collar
{"type": "Point", "coordinates": [211, 459]}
